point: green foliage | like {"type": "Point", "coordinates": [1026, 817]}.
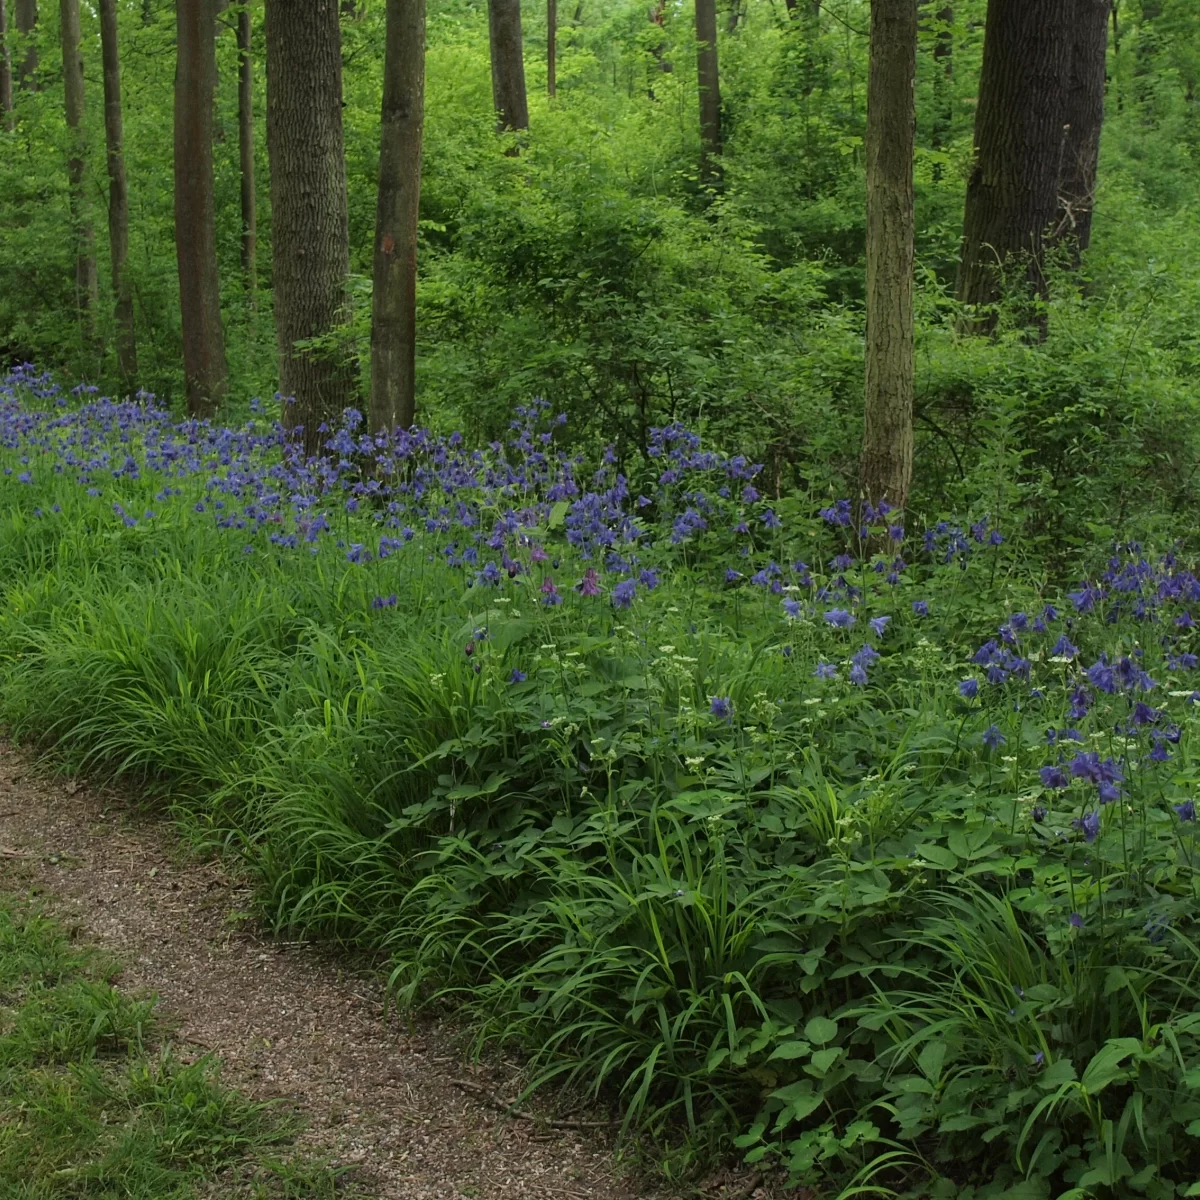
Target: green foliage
{"type": "Point", "coordinates": [93, 1101]}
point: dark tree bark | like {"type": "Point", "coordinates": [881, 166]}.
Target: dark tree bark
{"type": "Point", "coordinates": [551, 47]}
{"type": "Point", "coordinates": [204, 365]}
{"type": "Point", "coordinates": [6, 95]}
{"type": "Point", "coordinates": [27, 19]}
{"type": "Point", "coordinates": [310, 248]}
{"type": "Point", "coordinates": [249, 194]}
{"type": "Point", "coordinates": [394, 297]}
{"type": "Point", "coordinates": [709, 83]}
{"type": "Point", "coordinates": [1012, 193]}
{"type": "Point", "coordinates": [1083, 119]}
{"type": "Point", "coordinates": [118, 193]}
{"type": "Point", "coordinates": [87, 283]}
{"type": "Point", "coordinates": [887, 453]}
{"type": "Point", "coordinates": [508, 65]}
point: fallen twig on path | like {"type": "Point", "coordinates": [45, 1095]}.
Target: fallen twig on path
{"type": "Point", "coordinates": [509, 1108]}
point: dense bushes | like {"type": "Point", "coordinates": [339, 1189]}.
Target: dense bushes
{"type": "Point", "coordinates": [884, 860]}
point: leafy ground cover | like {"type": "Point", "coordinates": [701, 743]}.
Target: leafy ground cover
{"type": "Point", "coordinates": [862, 850]}
{"type": "Point", "coordinates": [95, 1102]}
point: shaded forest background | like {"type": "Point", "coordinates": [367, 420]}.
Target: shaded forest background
{"type": "Point", "coordinates": [598, 269]}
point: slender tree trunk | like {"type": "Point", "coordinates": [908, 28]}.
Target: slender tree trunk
{"type": "Point", "coordinates": [118, 193]}
{"type": "Point", "coordinates": [246, 157]}
{"type": "Point", "coordinates": [310, 246]}
{"type": "Point", "coordinates": [87, 283]}
{"type": "Point", "coordinates": [1084, 117]}
{"type": "Point", "coordinates": [508, 65]}
{"type": "Point", "coordinates": [394, 297]}
{"type": "Point", "coordinates": [1012, 193]}
{"type": "Point", "coordinates": [551, 47]}
{"type": "Point", "coordinates": [6, 95]}
{"type": "Point", "coordinates": [709, 82]}
{"type": "Point", "coordinates": [943, 83]}
{"type": "Point", "coordinates": [887, 453]}
{"type": "Point", "coordinates": [204, 364]}
{"type": "Point", "coordinates": [27, 19]}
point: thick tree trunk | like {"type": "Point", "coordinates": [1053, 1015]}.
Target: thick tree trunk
{"type": "Point", "coordinates": [310, 248]}
{"type": "Point", "coordinates": [27, 19]}
{"type": "Point", "coordinates": [508, 65]}
{"type": "Point", "coordinates": [118, 193]}
{"type": "Point", "coordinates": [6, 95]}
{"type": "Point", "coordinates": [551, 47]}
{"type": "Point", "coordinates": [204, 365]}
{"type": "Point", "coordinates": [709, 82]}
{"type": "Point", "coordinates": [1083, 119]}
{"type": "Point", "coordinates": [1012, 193]}
{"type": "Point", "coordinates": [87, 283]}
{"type": "Point", "coordinates": [246, 157]}
{"type": "Point", "coordinates": [394, 296]}
{"type": "Point", "coordinates": [887, 453]}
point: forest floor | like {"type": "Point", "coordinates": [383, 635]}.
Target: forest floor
{"type": "Point", "coordinates": [392, 1099]}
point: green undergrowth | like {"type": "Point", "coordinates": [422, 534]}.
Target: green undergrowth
{"type": "Point", "coordinates": [884, 875]}
{"type": "Point", "coordinates": [96, 1102]}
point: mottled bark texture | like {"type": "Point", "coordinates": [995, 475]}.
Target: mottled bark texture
{"type": "Point", "coordinates": [204, 366]}
{"type": "Point", "coordinates": [310, 256]}
{"type": "Point", "coordinates": [6, 95]}
{"type": "Point", "coordinates": [249, 194]}
{"type": "Point", "coordinates": [118, 193]}
{"type": "Point", "coordinates": [87, 283]}
{"type": "Point", "coordinates": [708, 81]}
{"type": "Point", "coordinates": [887, 453]}
{"type": "Point", "coordinates": [1082, 118]}
{"type": "Point", "coordinates": [508, 65]}
{"type": "Point", "coordinates": [394, 296]}
{"type": "Point", "coordinates": [1012, 192]}
{"type": "Point", "coordinates": [27, 19]}
{"type": "Point", "coordinates": [551, 47]}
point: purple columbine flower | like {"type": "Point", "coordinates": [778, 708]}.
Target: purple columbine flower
{"type": "Point", "coordinates": [517, 676]}
{"type": "Point", "coordinates": [648, 578]}
{"type": "Point", "coordinates": [878, 625]}
{"type": "Point", "coordinates": [623, 594]}
{"type": "Point", "coordinates": [1186, 811]}
{"type": "Point", "coordinates": [550, 592]}
{"type": "Point", "coordinates": [791, 607]}
{"type": "Point", "coordinates": [993, 738]}
{"type": "Point", "coordinates": [1090, 826]}
{"type": "Point", "coordinates": [1075, 920]}
{"type": "Point", "coordinates": [1064, 647]}
{"type": "Point", "coordinates": [1038, 813]}
{"type": "Point", "coordinates": [589, 585]}
{"type": "Point", "coordinates": [968, 688]}
{"type": "Point", "coordinates": [839, 618]}
{"type": "Point", "coordinates": [722, 707]}
{"type": "Point", "coordinates": [825, 670]}
{"type": "Point", "coordinates": [920, 608]}
{"type": "Point", "coordinates": [1054, 777]}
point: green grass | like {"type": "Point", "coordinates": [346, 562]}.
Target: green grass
{"type": "Point", "coordinates": [95, 1101]}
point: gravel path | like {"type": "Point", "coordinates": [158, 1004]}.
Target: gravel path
{"type": "Point", "coordinates": [287, 1020]}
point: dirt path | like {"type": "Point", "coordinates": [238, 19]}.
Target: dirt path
{"type": "Point", "coordinates": [286, 1020]}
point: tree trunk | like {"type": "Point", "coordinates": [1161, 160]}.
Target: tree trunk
{"type": "Point", "coordinates": [508, 65]}
{"type": "Point", "coordinates": [118, 193]}
{"type": "Point", "coordinates": [6, 95]}
{"type": "Point", "coordinates": [551, 48]}
{"type": "Point", "coordinates": [943, 83]}
{"type": "Point", "coordinates": [310, 247]}
{"type": "Point", "coordinates": [394, 296]}
{"type": "Point", "coordinates": [1084, 117]}
{"type": "Point", "coordinates": [204, 365]}
{"type": "Point", "coordinates": [246, 157]}
{"type": "Point", "coordinates": [709, 82]}
{"type": "Point", "coordinates": [87, 284]}
{"type": "Point", "coordinates": [887, 453]}
{"type": "Point", "coordinates": [1012, 193]}
{"type": "Point", "coordinates": [27, 19]}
